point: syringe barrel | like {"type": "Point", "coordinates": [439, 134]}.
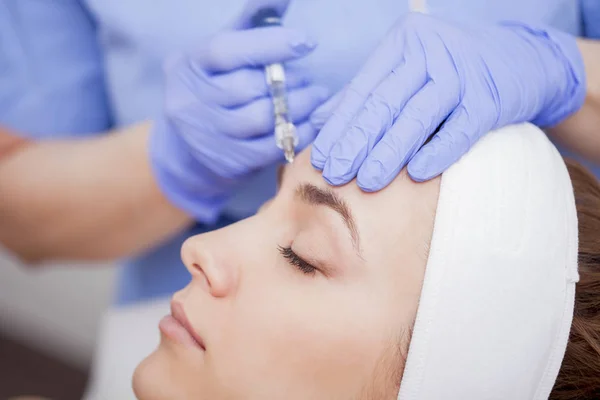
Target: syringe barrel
{"type": "Point", "coordinates": [285, 131]}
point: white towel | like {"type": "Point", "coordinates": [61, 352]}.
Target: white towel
{"type": "Point", "coordinates": [497, 300]}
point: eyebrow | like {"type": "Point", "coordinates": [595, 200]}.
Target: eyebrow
{"type": "Point", "coordinates": [314, 195]}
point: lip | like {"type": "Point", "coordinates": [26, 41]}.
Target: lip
{"type": "Point", "coordinates": [180, 320]}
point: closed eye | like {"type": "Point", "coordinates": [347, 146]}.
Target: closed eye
{"type": "Point", "coordinates": [293, 259]}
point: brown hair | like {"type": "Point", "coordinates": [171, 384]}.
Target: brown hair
{"type": "Point", "coordinates": [579, 376]}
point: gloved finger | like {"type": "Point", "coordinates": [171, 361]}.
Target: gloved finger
{"type": "Point", "coordinates": [325, 110]}
{"type": "Point", "coordinates": [388, 54]}
{"type": "Point", "coordinates": [306, 135]}
{"type": "Point", "coordinates": [417, 121]}
{"type": "Point", "coordinates": [334, 127]}
{"type": "Point", "coordinates": [244, 85]}
{"type": "Point", "coordinates": [377, 116]}
{"type": "Point", "coordinates": [454, 139]}
{"type": "Point", "coordinates": [380, 63]}
{"type": "Point", "coordinates": [244, 19]}
{"type": "Point", "coordinates": [256, 118]}
{"type": "Point", "coordinates": [231, 50]}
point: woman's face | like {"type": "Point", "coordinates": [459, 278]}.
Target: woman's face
{"type": "Point", "coordinates": [311, 298]}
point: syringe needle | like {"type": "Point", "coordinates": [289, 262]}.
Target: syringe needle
{"type": "Point", "coordinates": [289, 152]}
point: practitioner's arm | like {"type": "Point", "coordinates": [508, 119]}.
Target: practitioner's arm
{"type": "Point", "coordinates": [92, 198]}
{"type": "Point", "coordinates": [581, 131]}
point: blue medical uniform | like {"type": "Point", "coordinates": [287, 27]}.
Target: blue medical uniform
{"type": "Point", "coordinates": [78, 67]}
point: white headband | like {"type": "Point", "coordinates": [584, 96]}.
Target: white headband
{"type": "Point", "coordinates": [497, 300]}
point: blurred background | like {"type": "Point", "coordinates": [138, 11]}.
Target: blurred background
{"type": "Point", "coordinates": [49, 320]}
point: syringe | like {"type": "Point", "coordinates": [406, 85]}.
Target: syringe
{"type": "Point", "coordinates": [285, 131]}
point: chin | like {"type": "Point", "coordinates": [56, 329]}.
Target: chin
{"type": "Point", "coordinates": [153, 378]}
{"type": "Point", "coordinates": [166, 374]}
{"type": "Point", "coordinates": [145, 384]}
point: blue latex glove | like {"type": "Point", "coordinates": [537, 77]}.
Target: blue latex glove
{"type": "Point", "coordinates": [218, 124]}
{"type": "Point", "coordinates": [427, 71]}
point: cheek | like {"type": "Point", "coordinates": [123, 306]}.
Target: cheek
{"type": "Point", "coordinates": [310, 337]}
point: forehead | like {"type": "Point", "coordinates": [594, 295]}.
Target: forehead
{"type": "Point", "coordinates": [397, 219]}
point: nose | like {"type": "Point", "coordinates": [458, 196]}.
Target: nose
{"type": "Point", "coordinates": [210, 266]}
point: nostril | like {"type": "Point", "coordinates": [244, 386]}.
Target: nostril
{"type": "Point", "coordinates": [201, 276]}
{"type": "Point", "coordinates": [197, 267]}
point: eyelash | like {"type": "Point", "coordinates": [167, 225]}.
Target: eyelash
{"type": "Point", "coordinates": [296, 261]}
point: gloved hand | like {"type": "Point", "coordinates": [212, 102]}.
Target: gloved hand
{"type": "Point", "coordinates": [218, 125]}
{"type": "Point", "coordinates": [427, 71]}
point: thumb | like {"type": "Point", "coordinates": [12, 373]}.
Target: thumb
{"type": "Point", "coordinates": [251, 7]}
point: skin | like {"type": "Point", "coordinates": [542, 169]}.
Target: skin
{"type": "Point", "coordinates": [273, 332]}
{"type": "Point", "coordinates": [10, 142]}
{"type": "Point", "coordinates": [579, 132]}
{"type": "Point", "coordinates": [98, 195]}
